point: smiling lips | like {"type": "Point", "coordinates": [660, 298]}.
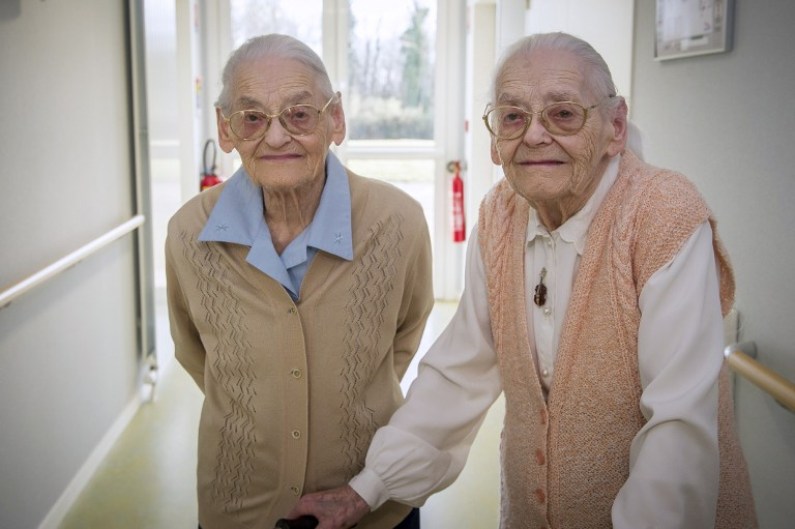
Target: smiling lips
{"type": "Point", "coordinates": [279, 157]}
{"type": "Point", "coordinates": [541, 163]}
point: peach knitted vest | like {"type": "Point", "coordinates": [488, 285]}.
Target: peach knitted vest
{"type": "Point", "coordinates": [564, 459]}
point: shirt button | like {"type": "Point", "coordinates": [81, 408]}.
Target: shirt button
{"type": "Point", "coordinates": [545, 373]}
{"type": "Point", "coordinates": [295, 490]}
{"type": "Point", "coordinates": [296, 434]}
{"type": "Point", "coordinates": [547, 311]}
{"type": "Point", "coordinates": [296, 373]}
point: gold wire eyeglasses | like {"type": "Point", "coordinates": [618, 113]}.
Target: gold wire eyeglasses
{"type": "Point", "coordinates": [561, 119]}
{"type": "Point", "coordinates": [297, 120]}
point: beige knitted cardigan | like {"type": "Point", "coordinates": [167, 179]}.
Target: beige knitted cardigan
{"type": "Point", "coordinates": [564, 459]}
{"type": "Point", "coordinates": [295, 390]}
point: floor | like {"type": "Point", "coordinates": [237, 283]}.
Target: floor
{"type": "Point", "coordinates": [148, 482]}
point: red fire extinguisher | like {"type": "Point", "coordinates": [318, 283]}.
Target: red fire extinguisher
{"type": "Point", "coordinates": [209, 178]}
{"type": "Point", "coordinates": [459, 220]}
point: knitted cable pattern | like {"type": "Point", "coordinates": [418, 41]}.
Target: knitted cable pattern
{"type": "Point", "coordinates": [234, 372]}
{"type": "Point", "coordinates": [372, 282]}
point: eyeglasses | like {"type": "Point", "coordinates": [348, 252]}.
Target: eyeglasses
{"type": "Point", "coordinates": [297, 120]}
{"type": "Point", "coordinates": [561, 119]}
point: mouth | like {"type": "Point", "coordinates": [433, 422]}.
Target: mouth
{"type": "Point", "coordinates": [541, 163]}
{"type": "Point", "coordinates": [285, 157]}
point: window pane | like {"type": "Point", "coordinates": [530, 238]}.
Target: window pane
{"type": "Point", "coordinates": [301, 19]}
{"type": "Point", "coordinates": [390, 69]}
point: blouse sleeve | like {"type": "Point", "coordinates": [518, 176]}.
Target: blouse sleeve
{"type": "Point", "coordinates": [674, 467]}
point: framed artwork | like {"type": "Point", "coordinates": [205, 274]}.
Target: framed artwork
{"type": "Point", "coordinates": [692, 27]}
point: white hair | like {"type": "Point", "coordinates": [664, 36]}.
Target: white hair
{"type": "Point", "coordinates": [271, 45]}
{"type": "Point", "coordinates": [597, 75]}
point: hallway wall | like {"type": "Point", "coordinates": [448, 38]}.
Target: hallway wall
{"type": "Point", "coordinates": [69, 349]}
{"type": "Point", "coordinates": [726, 121]}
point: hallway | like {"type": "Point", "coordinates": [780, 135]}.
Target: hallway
{"type": "Point", "coordinates": [148, 479]}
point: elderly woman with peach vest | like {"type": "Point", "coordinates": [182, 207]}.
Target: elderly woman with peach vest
{"type": "Point", "coordinates": [594, 301]}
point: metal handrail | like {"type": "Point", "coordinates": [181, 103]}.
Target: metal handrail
{"type": "Point", "coordinates": [740, 357]}
{"type": "Point", "coordinates": [13, 292]}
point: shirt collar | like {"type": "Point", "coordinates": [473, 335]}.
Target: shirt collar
{"type": "Point", "coordinates": [575, 229]}
{"type": "Point", "coordinates": [238, 216]}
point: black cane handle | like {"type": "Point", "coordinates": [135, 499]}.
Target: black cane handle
{"type": "Point", "coordinates": [304, 522]}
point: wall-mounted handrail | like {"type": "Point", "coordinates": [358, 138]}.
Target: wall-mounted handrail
{"type": "Point", "coordinates": [10, 294]}
{"type": "Point", "coordinates": [740, 357]}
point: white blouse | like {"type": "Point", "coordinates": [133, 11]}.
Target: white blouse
{"type": "Point", "coordinates": [673, 479]}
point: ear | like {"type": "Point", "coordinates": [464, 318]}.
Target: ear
{"type": "Point", "coordinates": [495, 154]}
{"type": "Point", "coordinates": [225, 136]}
{"type": "Point", "coordinates": [338, 126]}
{"type": "Point", "coordinates": [619, 128]}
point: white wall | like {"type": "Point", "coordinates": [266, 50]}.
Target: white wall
{"type": "Point", "coordinates": [605, 24]}
{"type": "Point", "coordinates": [726, 121]}
{"type": "Point", "coordinates": [69, 349]}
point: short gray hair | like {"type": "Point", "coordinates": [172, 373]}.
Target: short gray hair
{"type": "Point", "coordinates": [597, 77]}
{"type": "Point", "coordinates": [271, 45]}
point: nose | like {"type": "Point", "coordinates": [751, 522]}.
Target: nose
{"type": "Point", "coordinates": [536, 132]}
{"type": "Point", "coordinates": [275, 133]}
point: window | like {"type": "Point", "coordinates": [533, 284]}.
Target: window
{"type": "Point", "coordinates": [381, 54]}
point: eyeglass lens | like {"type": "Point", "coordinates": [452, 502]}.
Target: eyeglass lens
{"type": "Point", "coordinates": [298, 120]}
{"type": "Point", "coordinates": [559, 118]}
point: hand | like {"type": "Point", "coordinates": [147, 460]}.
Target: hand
{"type": "Point", "coordinates": [339, 508]}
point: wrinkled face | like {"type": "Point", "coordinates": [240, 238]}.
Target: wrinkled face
{"type": "Point", "coordinates": [553, 169]}
{"type": "Point", "coordinates": [280, 161]}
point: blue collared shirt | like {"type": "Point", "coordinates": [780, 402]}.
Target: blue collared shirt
{"type": "Point", "coordinates": [239, 218]}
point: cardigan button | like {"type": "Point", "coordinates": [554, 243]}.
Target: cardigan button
{"type": "Point", "coordinates": [295, 490]}
{"type": "Point", "coordinates": [296, 434]}
{"type": "Point", "coordinates": [540, 496]}
{"type": "Point", "coordinates": [296, 373]}
{"type": "Point", "coordinates": [291, 310]}
{"type": "Point", "coordinates": [540, 459]}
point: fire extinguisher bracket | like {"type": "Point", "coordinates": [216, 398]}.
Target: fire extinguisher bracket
{"type": "Point", "coordinates": [455, 165]}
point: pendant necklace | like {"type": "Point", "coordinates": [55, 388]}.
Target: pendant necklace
{"type": "Point", "coordinates": [540, 295]}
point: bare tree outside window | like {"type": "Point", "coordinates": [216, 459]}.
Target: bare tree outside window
{"type": "Point", "coordinates": [301, 19]}
{"type": "Point", "coordinates": [390, 69]}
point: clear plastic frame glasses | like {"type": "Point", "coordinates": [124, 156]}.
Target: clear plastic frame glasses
{"type": "Point", "coordinates": [297, 120]}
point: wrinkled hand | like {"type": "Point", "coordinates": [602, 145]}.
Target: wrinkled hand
{"type": "Point", "coordinates": [339, 508]}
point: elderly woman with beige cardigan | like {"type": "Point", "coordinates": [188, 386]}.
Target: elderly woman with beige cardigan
{"type": "Point", "coordinates": [298, 293]}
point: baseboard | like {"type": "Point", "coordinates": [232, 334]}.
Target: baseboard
{"type": "Point", "coordinates": [80, 481]}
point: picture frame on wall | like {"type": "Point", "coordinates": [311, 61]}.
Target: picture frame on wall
{"type": "Point", "coordinates": [686, 28]}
